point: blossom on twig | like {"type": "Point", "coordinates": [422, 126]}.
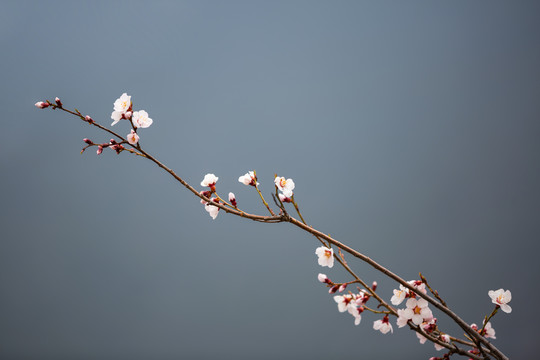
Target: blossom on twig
{"type": "Point", "coordinates": [286, 186]}
{"type": "Point", "coordinates": [326, 256]}
{"type": "Point", "coordinates": [383, 325]}
{"type": "Point", "coordinates": [122, 108]}
{"type": "Point", "coordinates": [210, 181]}
{"type": "Point", "coordinates": [141, 119]}
{"type": "Point", "coordinates": [132, 137]}
{"type": "Point", "coordinates": [501, 298]}
{"type": "Point", "coordinates": [488, 331]}
{"type": "Point", "coordinates": [249, 178]}
{"type": "Point", "coordinates": [417, 311]}
{"type": "Point", "coordinates": [211, 209]}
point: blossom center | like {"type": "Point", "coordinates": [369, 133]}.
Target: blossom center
{"type": "Point", "coordinates": [417, 310]}
{"type": "Point", "coordinates": [328, 253]}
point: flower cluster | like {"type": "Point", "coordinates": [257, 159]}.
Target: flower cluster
{"type": "Point", "coordinates": [353, 304]}
{"type": "Point", "coordinates": [123, 109]}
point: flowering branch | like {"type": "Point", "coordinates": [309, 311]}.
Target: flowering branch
{"type": "Point", "coordinates": [417, 315]}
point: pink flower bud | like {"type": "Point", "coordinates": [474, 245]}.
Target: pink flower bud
{"type": "Point", "coordinates": [112, 142]}
{"type": "Point", "coordinates": [342, 287]}
{"type": "Point", "coordinates": [374, 286]}
{"type": "Point", "coordinates": [99, 150]}
{"type": "Point", "coordinates": [89, 119]}
{"type": "Point", "coordinates": [41, 105]}
{"type": "Point", "coordinates": [323, 278]}
{"type": "Point", "coordinates": [58, 102]}
{"type": "Point", "coordinates": [333, 289]}
{"type": "Point", "coordinates": [232, 199]}
{"type": "Point", "coordinates": [284, 199]}
{"type": "Point", "coordinates": [88, 141]}
{"type": "Point", "coordinates": [128, 114]}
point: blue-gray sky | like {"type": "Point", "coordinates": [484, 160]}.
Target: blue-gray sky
{"type": "Point", "coordinates": [410, 128]}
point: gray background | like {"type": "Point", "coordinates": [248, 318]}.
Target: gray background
{"type": "Point", "coordinates": [410, 128]}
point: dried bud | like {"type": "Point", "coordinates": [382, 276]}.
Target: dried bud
{"type": "Point", "coordinates": [88, 119]}
{"type": "Point", "coordinates": [58, 102]}
{"type": "Point", "coordinates": [41, 105]}
{"type": "Point", "coordinates": [88, 141]}
{"type": "Point", "coordinates": [374, 286]}
{"type": "Point", "coordinates": [99, 150]}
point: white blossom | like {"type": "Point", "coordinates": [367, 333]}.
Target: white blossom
{"type": "Point", "coordinates": [122, 107]}
{"type": "Point", "coordinates": [417, 311]}
{"type": "Point", "coordinates": [501, 298]}
{"type": "Point", "coordinates": [383, 325]}
{"type": "Point", "coordinates": [209, 180]}
{"type": "Point", "coordinates": [356, 311]}
{"type": "Point", "coordinates": [326, 256]}
{"type": "Point", "coordinates": [132, 137]}
{"type": "Point", "coordinates": [286, 186]}
{"type": "Point", "coordinates": [345, 302]}
{"type": "Point", "coordinates": [211, 209]}
{"type": "Point", "coordinates": [249, 178]}
{"type": "Point", "coordinates": [123, 103]}
{"type": "Point", "coordinates": [141, 119]}
{"type": "Point", "coordinates": [399, 295]}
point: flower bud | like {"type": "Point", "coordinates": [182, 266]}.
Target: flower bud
{"type": "Point", "coordinates": [58, 102]}
{"type": "Point", "coordinates": [342, 287]}
{"type": "Point", "coordinates": [232, 199]}
{"type": "Point", "coordinates": [88, 141]}
{"type": "Point", "coordinates": [99, 150]}
{"type": "Point", "coordinates": [333, 289]}
{"type": "Point", "coordinates": [112, 142]}
{"type": "Point", "coordinates": [88, 119]}
{"type": "Point", "coordinates": [41, 105]}
{"type": "Point", "coordinates": [323, 278]}
{"type": "Point", "coordinates": [374, 286]}
{"type": "Point", "coordinates": [284, 199]}
{"type": "Point", "coordinates": [128, 114]}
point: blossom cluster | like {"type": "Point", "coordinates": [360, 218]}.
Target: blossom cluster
{"type": "Point", "coordinates": [286, 187]}
{"type": "Point", "coordinates": [123, 109]}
